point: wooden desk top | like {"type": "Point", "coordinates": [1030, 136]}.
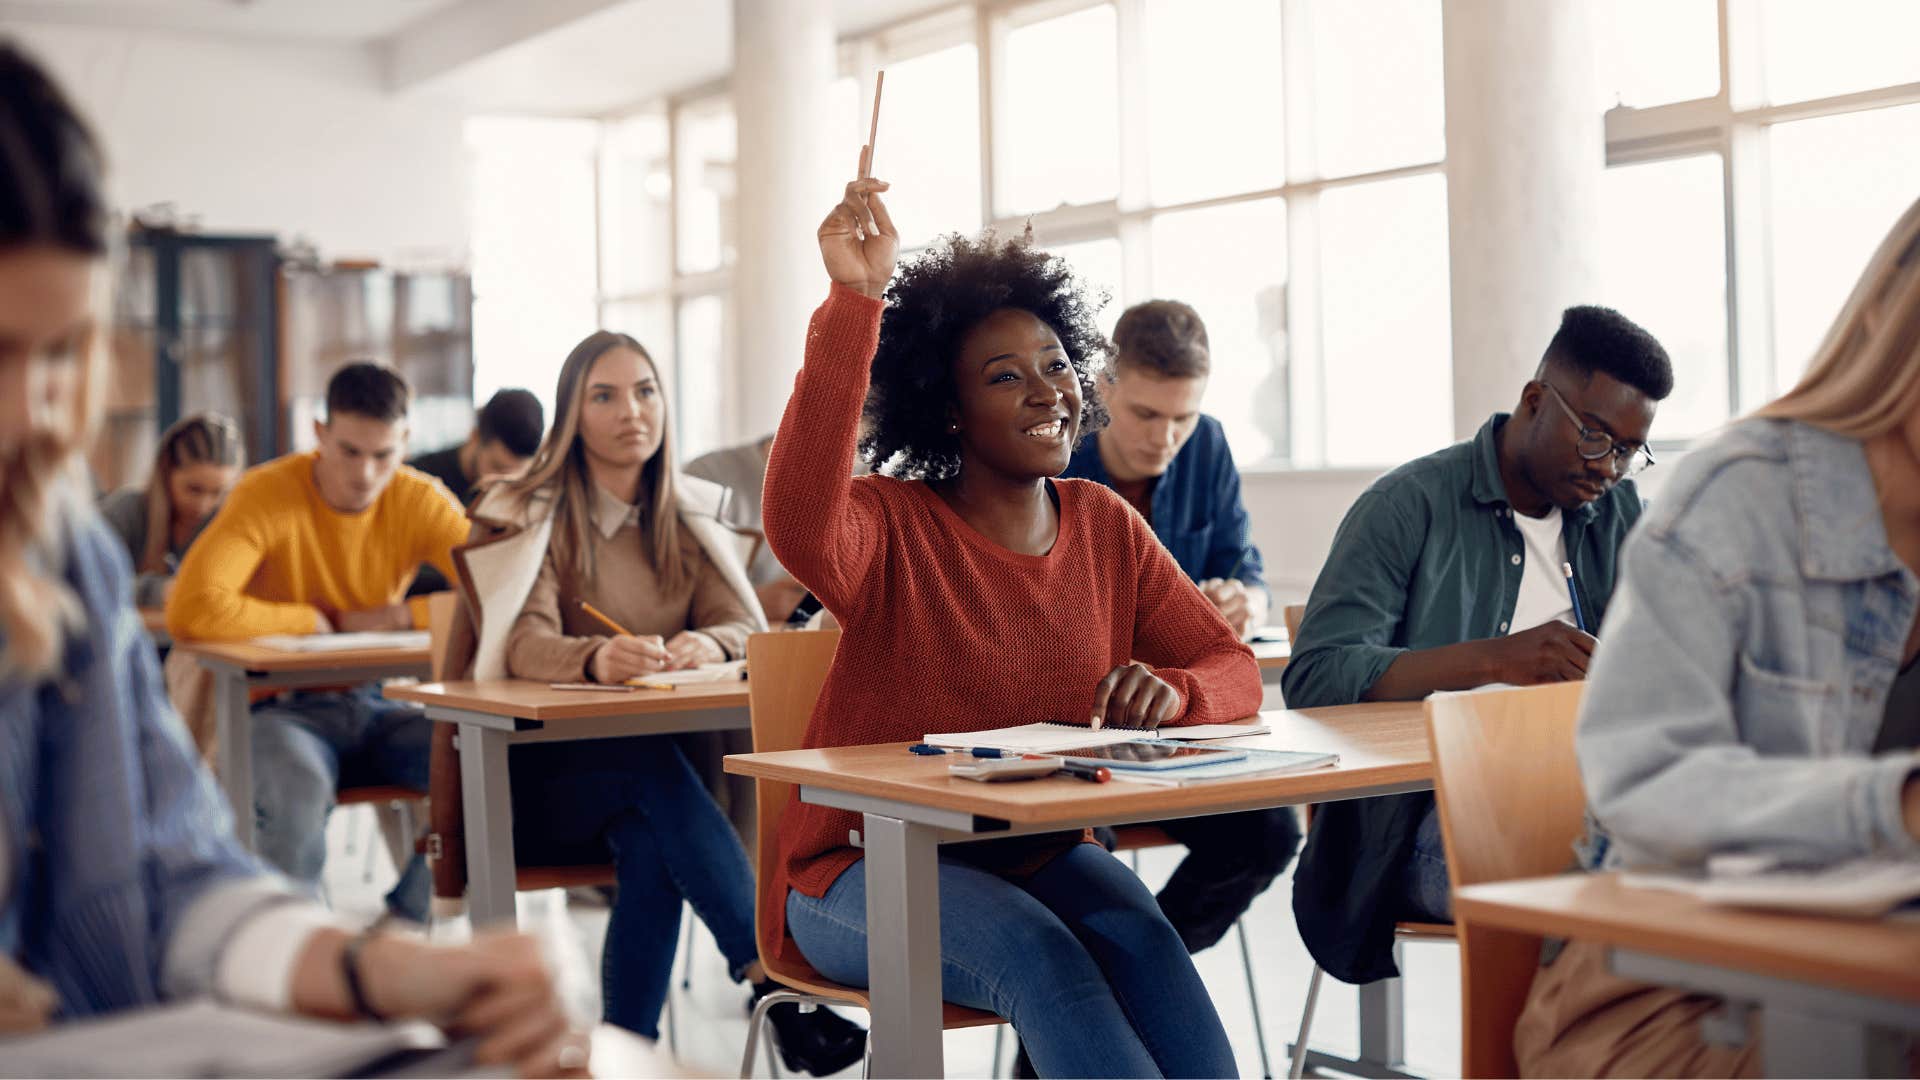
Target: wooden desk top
{"type": "Point", "coordinates": [255, 657]}
{"type": "Point", "coordinates": [1271, 654]}
{"type": "Point", "coordinates": [1868, 956]}
{"type": "Point", "coordinates": [1378, 744]}
{"type": "Point", "coordinates": [526, 699]}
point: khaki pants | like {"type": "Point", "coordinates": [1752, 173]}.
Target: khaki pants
{"type": "Point", "coordinates": [1582, 1020]}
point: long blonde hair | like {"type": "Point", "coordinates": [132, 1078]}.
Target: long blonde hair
{"type": "Point", "coordinates": [201, 439]}
{"type": "Point", "coordinates": [51, 195]}
{"type": "Point", "coordinates": [1864, 380]}
{"type": "Point", "coordinates": [559, 471]}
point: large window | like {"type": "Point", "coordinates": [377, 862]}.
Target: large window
{"type": "Point", "coordinates": [1742, 203]}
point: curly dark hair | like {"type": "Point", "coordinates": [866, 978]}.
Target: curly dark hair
{"type": "Point", "coordinates": [933, 301]}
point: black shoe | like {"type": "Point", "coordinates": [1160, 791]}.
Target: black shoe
{"type": "Point", "coordinates": [1022, 1064]}
{"type": "Point", "coordinates": [819, 1043]}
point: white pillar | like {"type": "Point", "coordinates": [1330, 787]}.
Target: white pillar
{"type": "Point", "coordinates": [1525, 149]}
{"type": "Point", "coordinates": [783, 65]}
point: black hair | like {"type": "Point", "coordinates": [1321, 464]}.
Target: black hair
{"type": "Point", "coordinates": [932, 304]}
{"type": "Point", "coordinates": [50, 163]}
{"type": "Point", "coordinates": [375, 391]}
{"type": "Point", "coordinates": [513, 418]}
{"type": "Point", "coordinates": [1593, 338]}
{"type": "Point", "coordinates": [1165, 337]}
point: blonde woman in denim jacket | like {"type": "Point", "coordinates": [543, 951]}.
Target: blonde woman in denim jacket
{"type": "Point", "coordinates": [1755, 688]}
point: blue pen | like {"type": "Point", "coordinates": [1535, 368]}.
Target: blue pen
{"type": "Point", "coordinates": [1579, 618]}
{"type": "Point", "coordinates": [990, 752]}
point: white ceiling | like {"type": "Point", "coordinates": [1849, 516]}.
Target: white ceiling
{"type": "Point", "coordinates": [303, 20]}
{"type": "Point", "coordinates": [563, 57]}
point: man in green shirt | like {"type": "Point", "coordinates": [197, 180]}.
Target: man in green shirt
{"type": "Point", "coordinates": [1451, 572]}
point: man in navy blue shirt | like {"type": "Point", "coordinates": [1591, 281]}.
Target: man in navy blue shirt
{"type": "Point", "coordinates": [1172, 463]}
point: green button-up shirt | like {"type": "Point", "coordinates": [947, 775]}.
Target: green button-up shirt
{"type": "Point", "coordinates": [1429, 556]}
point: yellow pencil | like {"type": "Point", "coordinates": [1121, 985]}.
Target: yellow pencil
{"type": "Point", "coordinates": [602, 616]}
{"type": "Point", "coordinates": [645, 685]}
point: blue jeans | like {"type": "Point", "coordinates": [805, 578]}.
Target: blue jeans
{"type": "Point", "coordinates": [307, 744]}
{"type": "Point", "coordinates": [640, 800]}
{"type": "Point", "coordinates": [1426, 889]}
{"type": "Point", "coordinates": [1078, 957]}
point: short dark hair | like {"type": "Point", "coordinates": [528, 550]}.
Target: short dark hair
{"type": "Point", "coordinates": [1593, 338]}
{"type": "Point", "coordinates": [1165, 336]}
{"type": "Point", "coordinates": [513, 418]}
{"type": "Point", "coordinates": [50, 163]}
{"type": "Point", "coordinates": [367, 389]}
{"type": "Point", "coordinates": [935, 299]}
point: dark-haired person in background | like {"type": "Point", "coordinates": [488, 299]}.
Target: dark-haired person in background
{"type": "Point", "coordinates": [1172, 464]}
{"type": "Point", "coordinates": [505, 435]}
{"type": "Point", "coordinates": [312, 543]}
{"type": "Point", "coordinates": [506, 432]}
{"type": "Point", "coordinates": [1446, 575]}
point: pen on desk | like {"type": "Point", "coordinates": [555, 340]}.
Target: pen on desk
{"type": "Point", "coordinates": [1573, 594]}
{"type": "Point", "coordinates": [991, 752]}
{"type": "Point", "coordinates": [1095, 774]}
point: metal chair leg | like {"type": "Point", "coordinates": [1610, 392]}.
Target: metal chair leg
{"type": "Point", "coordinates": [1298, 1067]}
{"type": "Point", "coordinates": [866, 1059]}
{"type": "Point", "coordinates": [1253, 999]}
{"type": "Point", "coordinates": [999, 1038]}
{"type": "Point", "coordinates": [686, 963]}
{"type": "Point", "coordinates": [673, 1032]}
{"type": "Point", "coordinates": [773, 1067]}
{"type": "Point", "coordinates": [758, 1021]}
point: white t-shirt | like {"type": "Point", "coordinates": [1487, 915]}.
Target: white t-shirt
{"type": "Point", "coordinates": [1543, 588]}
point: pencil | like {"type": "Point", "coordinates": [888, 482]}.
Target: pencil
{"type": "Point", "coordinates": [873, 130]}
{"type": "Point", "coordinates": [604, 621]}
{"type": "Point", "coordinates": [643, 684]}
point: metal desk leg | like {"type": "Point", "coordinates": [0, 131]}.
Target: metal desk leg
{"type": "Point", "coordinates": [1383, 1033]}
{"type": "Point", "coordinates": [233, 722]}
{"type": "Point", "coordinates": [903, 946]}
{"type": "Point", "coordinates": [486, 802]}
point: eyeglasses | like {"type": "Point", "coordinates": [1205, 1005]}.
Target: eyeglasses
{"type": "Point", "coordinates": [1594, 445]}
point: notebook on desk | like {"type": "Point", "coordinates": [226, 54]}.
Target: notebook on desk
{"type": "Point", "coordinates": [1251, 762]}
{"type": "Point", "coordinates": [365, 639]}
{"type": "Point", "coordinates": [1053, 738]}
{"type": "Point", "coordinates": [730, 671]}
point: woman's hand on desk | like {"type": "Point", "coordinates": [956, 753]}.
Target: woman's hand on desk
{"type": "Point", "coordinates": [690, 648]}
{"type": "Point", "coordinates": [1132, 696]}
{"type": "Point", "coordinates": [626, 657]}
{"type": "Point", "coordinates": [858, 242]}
{"type": "Point", "coordinates": [26, 1003]}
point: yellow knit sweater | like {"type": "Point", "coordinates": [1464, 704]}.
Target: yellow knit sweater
{"type": "Point", "coordinates": [276, 554]}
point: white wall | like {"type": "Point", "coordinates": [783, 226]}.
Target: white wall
{"type": "Point", "coordinates": [256, 136]}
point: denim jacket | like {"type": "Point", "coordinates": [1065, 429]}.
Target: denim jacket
{"type": "Point", "coordinates": [124, 880]}
{"type": "Point", "coordinates": [1743, 671]}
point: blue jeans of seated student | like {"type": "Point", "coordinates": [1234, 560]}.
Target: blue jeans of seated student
{"type": "Point", "coordinates": [307, 745]}
{"type": "Point", "coordinates": [639, 800]}
{"type": "Point", "coordinates": [1078, 957]}
{"type": "Point", "coordinates": [1426, 889]}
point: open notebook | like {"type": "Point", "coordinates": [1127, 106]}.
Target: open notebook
{"type": "Point", "coordinates": [730, 671]}
{"type": "Point", "coordinates": [366, 639]}
{"type": "Point", "coordinates": [1860, 887]}
{"type": "Point", "coordinates": [1051, 738]}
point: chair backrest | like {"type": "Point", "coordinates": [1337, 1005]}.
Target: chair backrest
{"type": "Point", "coordinates": [441, 608]}
{"type": "Point", "coordinates": [785, 670]}
{"type": "Point", "coordinates": [1290, 617]}
{"type": "Point", "coordinates": [1511, 806]}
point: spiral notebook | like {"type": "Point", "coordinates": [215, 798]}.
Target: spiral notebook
{"type": "Point", "coordinates": [1051, 738]}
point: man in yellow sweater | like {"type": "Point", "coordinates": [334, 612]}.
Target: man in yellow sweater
{"type": "Point", "coordinates": [314, 543]}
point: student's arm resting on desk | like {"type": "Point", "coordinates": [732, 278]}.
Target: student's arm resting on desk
{"type": "Point", "coordinates": [209, 600]}
{"type": "Point", "coordinates": [1659, 738]}
{"type": "Point", "coordinates": [1186, 643]}
{"type": "Point", "coordinates": [824, 526]}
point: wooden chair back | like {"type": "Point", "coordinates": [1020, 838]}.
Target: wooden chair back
{"type": "Point", "coordinates": [441, 609]}
{"type": "Point", "coordinates": [1290, 617]}
{"type": "Point", "coordinates": [1511, 806]}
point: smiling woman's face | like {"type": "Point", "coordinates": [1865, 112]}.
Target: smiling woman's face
{"type": "Point", "coordinates": [1017, 396]}
{"type": "Point", "coordinates": [45, 322]}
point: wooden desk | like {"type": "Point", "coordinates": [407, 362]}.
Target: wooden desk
{"type": "Point", "coordinates": [1272, 657]}
{"type": "Point", "coordinates": [911, 806]}
{"type": "Point", "coordinates": [1827, 989]}
{"type": "Point", "coordinates": [493, 715]}
{"type": "Point", "coordinates": [241, 667]}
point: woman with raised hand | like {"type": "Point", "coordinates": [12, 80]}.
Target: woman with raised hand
{"type": "Point", "coordinates": [600, 532]}
{"type": "Point", "coordinates": [121, 885]}
{"type": "Point", "coordinates": [972, 584]}
{"type": "Point", "coordinates": [194, 467]}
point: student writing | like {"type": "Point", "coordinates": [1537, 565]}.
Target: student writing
{"type": "Point", "coordinates": [194, 467]}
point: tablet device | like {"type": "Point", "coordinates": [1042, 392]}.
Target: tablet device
{"type": "Point", "coordinates": [1151, 755]}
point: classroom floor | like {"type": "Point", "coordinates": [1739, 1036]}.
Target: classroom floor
{"type": "Point", "coordinates": [711, 1015]}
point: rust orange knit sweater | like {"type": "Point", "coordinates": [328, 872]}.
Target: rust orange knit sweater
{"type": "Point", "coordinates": [944, 630]}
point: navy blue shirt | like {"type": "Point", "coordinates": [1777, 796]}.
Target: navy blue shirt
{"type": "Point", "coordinates": [1197, 513]}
